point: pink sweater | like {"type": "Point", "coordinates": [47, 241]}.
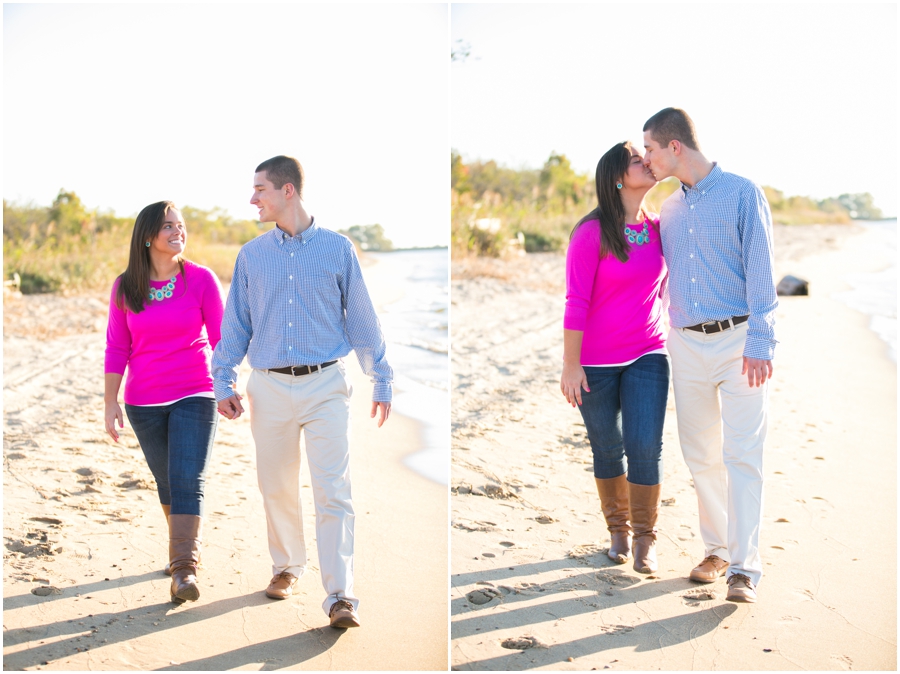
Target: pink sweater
{"type": "Point", "coordinates": [617, 305]}
{"type": "Point", "coordinates": [168, 346]}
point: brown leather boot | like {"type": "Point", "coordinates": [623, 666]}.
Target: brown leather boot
{"type": "Point", "coordinates": [614, 503]}
{"type": "Point", "coordinates": [185, 532]}
{"type": "Point", "coordinates": [644, 511]}
{"type": "Point", "coordinates": [166, 510]}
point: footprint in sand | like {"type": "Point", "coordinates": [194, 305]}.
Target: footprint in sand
{"type": "Point", "coordinates": [615, 630]}
{"type": "Point", "coordinates": [480, 597]}
{"type": "Point", "coordinates": [523, 643]}
{"type": "Point", "coordinates": [843, 662]}
{"type": "Point", "coordinates": [696, 597]}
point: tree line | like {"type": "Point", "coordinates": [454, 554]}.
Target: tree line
{"type": "Point", "coordinates": [495, 207]}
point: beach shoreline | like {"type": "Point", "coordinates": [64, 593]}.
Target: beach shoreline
{"type": "Point", "coordinates": [531, 585]}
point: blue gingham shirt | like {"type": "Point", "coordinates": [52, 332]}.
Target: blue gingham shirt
{"type": "Point", "coordinates": [299, 300]}
{"type": "Point", "coordinates": [717, 241]}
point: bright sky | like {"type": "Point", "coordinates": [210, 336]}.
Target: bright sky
{"type": "Point", "coordinates": [130, 104]}
{"type": "Point", "coordinates": [799, 97]}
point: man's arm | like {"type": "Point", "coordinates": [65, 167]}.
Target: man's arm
{"type": "Point", "coordinates": [757, 252]}
{"type": "Point", "coordinates": [237, 330]}
{"type": "Point", "coordinates": [364, 331]}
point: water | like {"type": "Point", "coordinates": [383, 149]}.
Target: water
{"type": "Point", "coordinates": [875, 294]}
{"type": "Point", "coordinates": [416, 331]}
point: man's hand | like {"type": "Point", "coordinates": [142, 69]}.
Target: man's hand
{"type": "Point", "coordinates": [572, 381]}
{"type": "Point", "coordinates": [383, 410]}
{"type": "Point", "coordinates": [757, 370]}
{"type": "Point", "coordinates": [231, 407]}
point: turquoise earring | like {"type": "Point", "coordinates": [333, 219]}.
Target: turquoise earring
{"type": "Point", "coordinates": [148, 243]}
{"type": "Point", "coordinates": [618, 187]}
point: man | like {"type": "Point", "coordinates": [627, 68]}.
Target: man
{"type": "Point", "coordinates": [297, 305]}
{"type": "Point", "coordinates": [717, 241]}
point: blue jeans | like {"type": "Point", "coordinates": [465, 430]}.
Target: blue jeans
{"type": "Point", "coordinates": [624, 415]}
{"type": "Point", "coordinates": [177, 442]}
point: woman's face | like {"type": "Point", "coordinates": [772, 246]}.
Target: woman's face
{"type": "Point", "coordinates": [638, 176]}
{"type": "Point", "coordinates": [172, 237]}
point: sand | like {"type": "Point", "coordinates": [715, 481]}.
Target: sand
{"type": "Point", "coordinates": [85, 539]}
{"type": "Point", "coordinates": [531, 587]}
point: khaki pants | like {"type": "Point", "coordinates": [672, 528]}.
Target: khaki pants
{"type": "Point", "coordinates": [318, 404]}
{"type": "Point", "coordinates": [722, 428]}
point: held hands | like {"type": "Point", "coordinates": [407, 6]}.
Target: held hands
{"type": "Point", "coordinates": [230, 407]}
{"type": "Point", "coordinates": [757, 370]}
{"type": "Point", "coordinates": [572, 381]}
{"type": "Point", "coordinates": [384, 411]}
{"type": "Point", "coordinates": [113, 414]}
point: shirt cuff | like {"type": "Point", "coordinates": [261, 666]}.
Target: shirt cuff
{"type": "Point", "coordinates": [761, 348]}
{"type": "Point", "coordinates": [382, 393]}
{"type": "Point", "coordinates": [222, 390]}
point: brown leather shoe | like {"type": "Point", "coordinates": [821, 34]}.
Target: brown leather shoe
{"type": "Point", "coordinates": [282, 586]}
{"type": "Point", "coordinates": [709, 570]}
{"type": "Point", "coordinates": [342, 614]}
{"type": "Point", "coordinates": [614, 504]}
{"type": "Point", "coordinates": [740, 588]}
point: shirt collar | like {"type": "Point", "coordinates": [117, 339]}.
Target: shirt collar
{"type": "Point", "coordinates": [281, 236]}
{"type": "Point", "coordinates": [707, 183]}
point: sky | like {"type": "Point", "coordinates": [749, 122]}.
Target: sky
{"type": "Point", "coordinates": [801, 97]}
{"type": "Point", "coordinates": [131, 104]}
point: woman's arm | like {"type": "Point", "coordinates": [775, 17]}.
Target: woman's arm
{"type": "Point", "coordinates": [573, 378]}
{"type": "Point", "coordinates": [111, 401]}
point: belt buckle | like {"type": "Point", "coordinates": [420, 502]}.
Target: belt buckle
{"type": "Point", "coordinates": [703, 327]}
{"type": "Point", "coordinates": [294, 374]}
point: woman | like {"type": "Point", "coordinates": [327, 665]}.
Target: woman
{"type": "Point", "coordinates": [164, 320]}
{"type": "Point", "coordinates": [615, 350]}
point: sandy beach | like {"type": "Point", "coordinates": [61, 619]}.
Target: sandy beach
{"type": "Point", "coordinates": [531, 585]}
{"type": "Point", "coordinates": [85, 539]}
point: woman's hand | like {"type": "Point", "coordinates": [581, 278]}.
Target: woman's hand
{"type": "Point", "coordinates": [572, 381]}
{"type": "Point", "coordinates": [113, 413]}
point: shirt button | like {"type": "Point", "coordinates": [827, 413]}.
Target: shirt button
{"type": "Point", "coordinates": [692, 255]}
{"type": "Point", "coordinates": [692, 206]}
{"type": "Point", "coordinates": [290, 301]}
{"type": "Point", "coordinates": [292, 255]}
{"type": "Point", "coordinates": [691, 231]}
{"type": "Point", "coordinates": [695, 304]}
{"type": "Point", "coordinates": [693, 280]}
{"type": "Point", "coordinates": [290, 348]}
{"type": "Point", "coordinates": [291, 277]}
{"type": "Point", "coordinates": [290, 325]}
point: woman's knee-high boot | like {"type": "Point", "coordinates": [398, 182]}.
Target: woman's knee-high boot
{"type": "Point", "coordinates": [644, 512]}
{"type": "Point", "coordinates": [185, 533]}
{"type": "Point", "coordinates": [614, 503]}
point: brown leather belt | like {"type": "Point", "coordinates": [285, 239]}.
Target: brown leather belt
{"type": "Point", "coordinates": [299, 370]}
{"type": "Point", "coordinates": [712, 327]}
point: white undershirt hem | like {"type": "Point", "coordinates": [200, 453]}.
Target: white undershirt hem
{"type": "Point", "coordinates": [629, 362]}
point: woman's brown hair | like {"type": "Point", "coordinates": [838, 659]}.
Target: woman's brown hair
{"type": "Point", "coordinates": [610, 211]}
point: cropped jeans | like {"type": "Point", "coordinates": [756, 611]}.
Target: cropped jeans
{"type": "Point", "coordinates": [624, 414]}
{"type": "Point", "coordinates": [177, 442]}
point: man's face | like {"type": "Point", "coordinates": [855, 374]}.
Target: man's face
{"type": "Point", "coordinates": [660, 160]}
{"type": "Point", "coordinates": [267, 198]}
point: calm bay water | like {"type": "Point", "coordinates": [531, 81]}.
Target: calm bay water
{"type": "Point", "coordinates": [416, 331]}
{"type": "Point", "coordinates": [875, 294]}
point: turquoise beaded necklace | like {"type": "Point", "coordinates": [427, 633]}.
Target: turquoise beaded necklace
{"type": "Point", "coordinates": [634, 236]}
{"type": "Point", "coordinates": [163, 293]}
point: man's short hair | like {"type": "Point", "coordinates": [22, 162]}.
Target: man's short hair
{"type": "Point", "coordinates": [281, 170]}
{"type": "Point", "coordinates": [672, 124]}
